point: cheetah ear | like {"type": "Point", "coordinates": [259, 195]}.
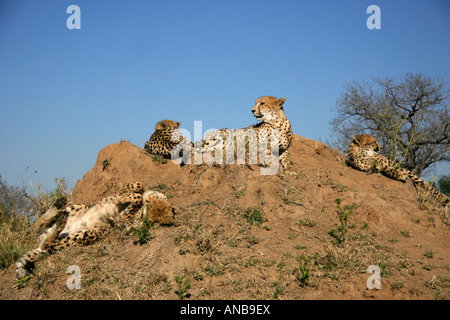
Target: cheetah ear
{"type": "Point", "coordinates": [281, 102]}
{"type": "Point", "coordinates": [178, 123]}
{"type": "Point", "coordinates": [357, 138]}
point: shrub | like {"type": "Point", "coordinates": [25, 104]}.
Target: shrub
{"type": "Point", "coordinates": [254, 216]}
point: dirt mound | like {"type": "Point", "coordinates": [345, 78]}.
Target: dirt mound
{"type": "Point", "coordinates": [310, 233]}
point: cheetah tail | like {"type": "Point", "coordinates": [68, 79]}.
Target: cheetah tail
{"type": "Point", "coordinates": [442, 198]}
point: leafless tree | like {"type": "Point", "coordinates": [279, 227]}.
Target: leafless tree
{"type": "Point", "coordinates": [408, 115]}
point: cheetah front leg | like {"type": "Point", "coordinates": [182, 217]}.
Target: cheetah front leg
{"type": "Point", "coordinates": [284, 163]}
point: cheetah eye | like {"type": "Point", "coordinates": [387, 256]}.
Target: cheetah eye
{"type": "Point", "coordinates": [262, 103]}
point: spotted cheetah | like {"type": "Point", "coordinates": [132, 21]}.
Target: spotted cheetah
{"type": "Point", "coordinates": [363, 154]}
{"type": "Point", "coordinates": [273, 129]}
{"type": "Point", "coordinates": [78, 224]}
{"type": "Point", "coordinates": [168, 142]}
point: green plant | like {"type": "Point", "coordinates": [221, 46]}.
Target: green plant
{"type": "Point", "coordinates": [215, 269]}
{"type": "Point", "coordinates": [143, 232]}
{"type": "Point", "coordinates": [436, 283]}
{"type": "Point", "coordinates": [105, 164]}
{"type": "Point", "coordinates": [429, 267]}
{"type": "Point", "coordinates": [252, 239]}
{"type": "Point", "coordinates": [405, 233]}
{"type": "Point", "coordinates": [303, 272]}
{"type": "Point", "coordinates": [90, 281]}
{"type": "Point", "coordinates": [307, 222]}
{"type": "Point", "coordinates": [181, 238]}
{"type": "Point", "coordinates": [444, 184]}
{"type": "Point", "coordinates": [239, 193]}
{"type": "Point", "coordinates": [429, 254]}
{"type": "Point", "coordinates": [278, 289]}
{"type": "Point", "coordinates": [374, 165]}
{"type": "Point", "coordinates": [22, 283]}
{"type": "Point", "coordinates": [198, 276]}
{"type": "Point", "coordinates": [251, 261]}
{"type": "Point", "coordinates": [341, 233]}
{"type": "Point", "coordinates": [204, 245]}
{"type": "Point", "coordinates": [437, 295]}
{"type": "Point", "coordinates": [292, 236]}
{"type": "Point", "coordinates": [397, 285]}
{"type": "Point", "coordinates": [254, 216]}
{"type": "Point", "coordinates": [183, 285]}
{"type": "Point", "coordinates": [158, 159]}
{"type": "Point", "coordinates": [392, 240]}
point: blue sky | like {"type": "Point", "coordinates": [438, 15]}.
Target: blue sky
{"type": "Point", "coordinates": [66, 94]}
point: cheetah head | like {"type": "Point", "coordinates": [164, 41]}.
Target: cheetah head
{"type": "Point", "coordinates": [366, 142]}
{"type": "Point", "coordinates": [269, 109]}
{"type": "Point", "coordinates": [164, 124]}
{"type": "Point", "coordinates": [158, 209]}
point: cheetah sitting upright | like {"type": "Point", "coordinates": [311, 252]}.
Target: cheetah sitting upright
{"type": "Point", "coordinates": [165, 138]}
{"type": "Point", "coordinates": [363, 154]}
{"type": "Point", "coordinates": [268, 110]}
{"type": "Point", "coordinates": [80, 225]}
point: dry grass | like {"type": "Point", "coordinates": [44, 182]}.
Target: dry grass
{"type": "Point", "coordinates": [18, 212]}
{"type": "Point", "coordinates": [15, 238]}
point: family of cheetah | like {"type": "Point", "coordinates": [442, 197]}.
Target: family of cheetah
{"type": "Point", "coordinates": [167, 141]}
{"type": "Point", "coordinates": [75, 224]}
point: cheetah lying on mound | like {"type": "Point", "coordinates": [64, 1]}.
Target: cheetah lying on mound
{"type": "Point", "coordinates": [165, 138]}
{"type": "Point", "coordinates": [363, 154]}
{"type": "Point", "coordinates": [78, 224]}
{"type": "Point", "coordinates": [268, 110]}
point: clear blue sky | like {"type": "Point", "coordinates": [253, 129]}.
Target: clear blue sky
{"type": "Point", "coordinates": [66, 94]}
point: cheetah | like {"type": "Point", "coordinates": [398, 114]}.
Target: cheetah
{"type": "Point", "coordinates": [274, 128]}
{"type": "Point", "coordinates": [363, 155]}
{"type": "Point", "coordinates": [77, 224]}
{"type": "Point", "coordinates": [168, 142]}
